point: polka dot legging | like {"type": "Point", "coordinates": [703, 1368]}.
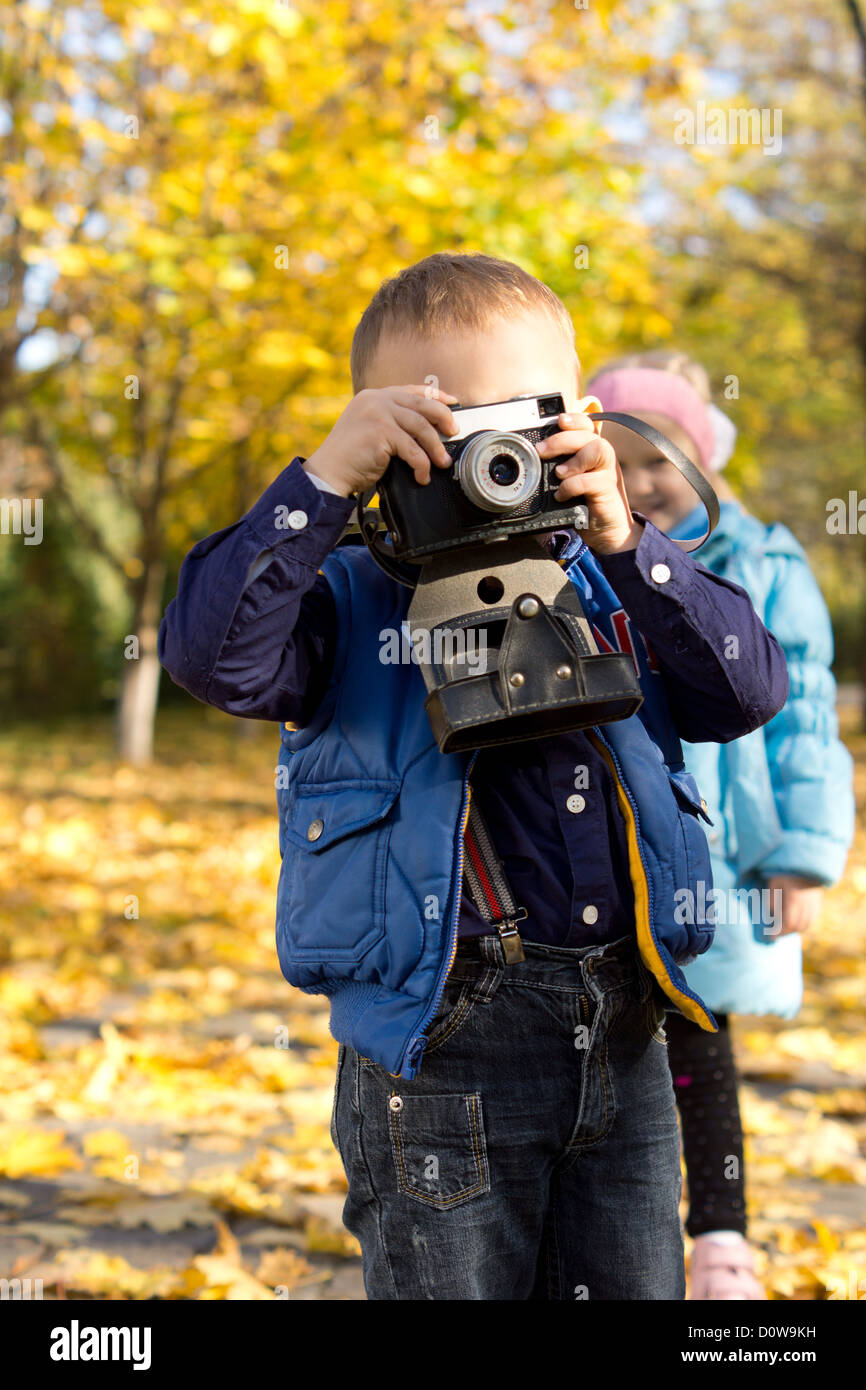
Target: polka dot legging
{"type": "Point", "coordinates": [705, 1084]}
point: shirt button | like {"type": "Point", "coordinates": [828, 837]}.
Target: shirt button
{"type": "Point", "coordinates": [314, 829]}
{"type": "Point", "coordinates": [298, 520]}
{"type": "Point", "coordinates": [576, 803]}
{"type": "Point", "coordinates": [590, 915]}
{"type": "Point", "coordinates": [659, 573]}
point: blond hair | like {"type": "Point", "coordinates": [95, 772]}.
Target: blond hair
{"type": "Point", "coordinates": [447, 292]}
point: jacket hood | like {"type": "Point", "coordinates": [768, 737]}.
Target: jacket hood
{"type": "Point", "coordinates": [737, 534]}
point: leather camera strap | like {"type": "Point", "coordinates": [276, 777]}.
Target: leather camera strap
{"type": "Point", "coordinates": [669, 450]}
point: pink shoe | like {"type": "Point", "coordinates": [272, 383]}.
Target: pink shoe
{"type": "Point", "coordinates": [723, 1267]}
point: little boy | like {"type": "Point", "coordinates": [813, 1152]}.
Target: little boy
{"type": "Point", "coordinates": [508, 1127]}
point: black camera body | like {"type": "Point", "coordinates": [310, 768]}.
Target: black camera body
{"type": "Point", "coordinates": [497, 486]}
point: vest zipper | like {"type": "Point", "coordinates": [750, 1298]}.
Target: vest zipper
{"type": "Point", "coordinates": [417, 1044]}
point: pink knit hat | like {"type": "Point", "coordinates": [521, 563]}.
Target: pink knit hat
{"type": "Point", "coordinates": [647, 389]}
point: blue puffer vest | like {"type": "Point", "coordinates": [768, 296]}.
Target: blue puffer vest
{"type": "Point", "coordinates": [371, 830]}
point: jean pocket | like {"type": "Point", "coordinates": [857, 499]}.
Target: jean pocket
{"type": "Point", "coordinates": [455, 1007]}
{"type": "Point", "coordinates": [439, 1148]}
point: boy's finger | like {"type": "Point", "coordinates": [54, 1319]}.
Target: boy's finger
{"type": "Point", "coordinates": [592, 453]}
{"type": "Point", "coordinates": [578, 482]}
{"type": "Point", "coordinates": [433, 409]}
{"type": "Point", "coordinates": [414, 423]}
{"type": "Point", "coordinates": [566, 442]}
{"type": "Point", "coordinates": [570, 487]}
{"type": "Point", "coordinates": [579, 420]}
{"type": "Point", "coordinates": [403, 446]}
{"type": "Point", "coordinates": [598, 479]}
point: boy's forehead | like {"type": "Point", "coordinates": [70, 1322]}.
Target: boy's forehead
{"type": "Point", "coordinates": [526, 354]}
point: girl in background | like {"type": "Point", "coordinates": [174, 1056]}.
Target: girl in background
{"type": "Point", "coordinates": [781, 798]}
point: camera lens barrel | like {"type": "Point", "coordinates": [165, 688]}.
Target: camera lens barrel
{"type": "Point", "coordinates": [497, 471]}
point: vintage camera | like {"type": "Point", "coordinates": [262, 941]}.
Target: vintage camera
{"type": "Point", "coordinates": [498, 484]}
{"type": "Point", "coordinates": [466, 543]}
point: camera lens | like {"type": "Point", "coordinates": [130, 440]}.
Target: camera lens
{"type": "Point", "coordinates": [498, 472]}
{"type": "Point", "coordinates": [504, 470]}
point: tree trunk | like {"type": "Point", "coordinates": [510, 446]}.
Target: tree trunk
{"type": "Point", "coordinates": [139, 688]}
{"type": "Point", "coordinates": [863, 673]}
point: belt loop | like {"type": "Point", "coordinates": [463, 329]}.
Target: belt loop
{"type": "Point", "coordinates": [489, 983]}
{"type": "Point", "coordinates": [588, 971]}
{"type": "Point", "coordinates": [491, 950]}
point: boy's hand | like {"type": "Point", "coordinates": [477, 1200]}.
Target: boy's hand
{"type": "Point", "coordinates": [592, 472]}
{"type": "Point", "coordinates": [378, 424]}
{"type": "Point", "coordinates": [801, 903]}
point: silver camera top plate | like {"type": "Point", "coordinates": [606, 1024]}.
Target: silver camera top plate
{"type": "Point", "coordinates": [505, 417]}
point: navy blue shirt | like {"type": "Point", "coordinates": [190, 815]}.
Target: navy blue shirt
{"type": "Point", "coordinates": [564, 851]}
{"type": "Point", "coordinates": [252, 631]}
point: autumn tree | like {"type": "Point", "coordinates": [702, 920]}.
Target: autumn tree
{"type": "Point", "coordinates": [760, 221]}
{"type": "Point", "coordinates": [200, 201]}
{"type": "Point", "coordinates": [262, 167]}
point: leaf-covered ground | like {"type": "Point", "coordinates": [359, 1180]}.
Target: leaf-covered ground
{"type": "Point", "coordinates": [165, 1096]}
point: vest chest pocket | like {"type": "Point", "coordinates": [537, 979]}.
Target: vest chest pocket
{"type": "Point", "coordinates": [331, 896]}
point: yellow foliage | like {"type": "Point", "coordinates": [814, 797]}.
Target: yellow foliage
{"type": "Point", "coordinates": [189, 1005]}
{"type": "Point", "coordinates": [26, 1152]}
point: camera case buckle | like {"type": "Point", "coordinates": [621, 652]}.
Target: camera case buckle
{"type": "Point", "coordinates": [542, 671]}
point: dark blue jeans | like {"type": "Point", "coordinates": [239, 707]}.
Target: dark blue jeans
{"type": "Point", "coordinates": [536, 1155]}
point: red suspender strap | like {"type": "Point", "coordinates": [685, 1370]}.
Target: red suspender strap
{"type": "Point", "coordinates": [488, 886]}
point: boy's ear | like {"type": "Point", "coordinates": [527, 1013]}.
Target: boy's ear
{"type": "Point", "coordinates": [588, 405]}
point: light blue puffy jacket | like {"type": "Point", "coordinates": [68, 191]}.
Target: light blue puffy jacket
{"type": "Point", "coordinates": [782, 797]}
